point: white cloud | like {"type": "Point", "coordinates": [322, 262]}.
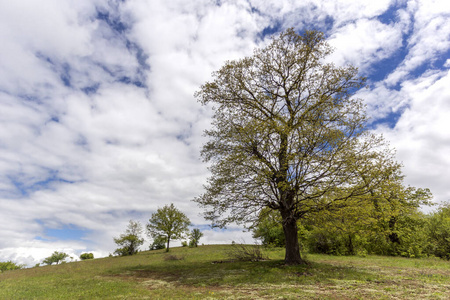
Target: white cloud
{"type": "Point", "coordinates": [381, 101]}
{"type": "Point", "coordinates": [421, 134]}
{"type": "Point", "coordinates": [447, 63]}
{"type": "Point", "coordinates": [227, 237]}
{"type": "Point", "coordinates": [345, 11]}
{"type": "Point", "coordinates": [314, 13]}
{"type": "Point", "coordinates": [430, 37]}
{"type": "Point", "coordinates": [364, 43]}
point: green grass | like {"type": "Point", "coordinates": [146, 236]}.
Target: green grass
{"type": "Point", "coordinates": [199, 275]}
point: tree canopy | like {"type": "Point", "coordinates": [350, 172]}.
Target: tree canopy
{"type": "Point", "coordinates": [288, 135]}
{"type": "Point", "coordinates": [168, 223]}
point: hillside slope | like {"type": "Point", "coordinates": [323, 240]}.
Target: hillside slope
{"type": "Point", "coordinates": [207, 272]}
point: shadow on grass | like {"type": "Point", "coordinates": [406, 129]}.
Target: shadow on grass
{"type": "Point", "coordinates": [272, 272]}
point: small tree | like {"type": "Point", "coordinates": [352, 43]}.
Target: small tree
{"type": "Point", "coordinates": [168, 222]}
{"type": "Point", "coordinates": [56, 257]}
{"type": "Point", "coordinates": [129, 241]}
{"type": "Point", "coordinates": [85, 256]}
{"type": "Point", "coordinates": [195, 235]}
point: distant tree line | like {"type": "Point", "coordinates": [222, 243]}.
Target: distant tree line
{"type": "Point", "coordinates": [165, 225]}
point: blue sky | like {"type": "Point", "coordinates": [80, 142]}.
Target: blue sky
{"type": "Point", "coordinates": [98, 123]}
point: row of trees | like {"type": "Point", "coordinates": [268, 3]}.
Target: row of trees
{"type": "Point", "coordinates": [168, 223]}
{"type": "Point", "coordinates": [55, 258]}
{"type": "Point", "coordinates": [60, 257]}
{"type": "Point", "coordinates": [165, 225]}
{"type": "Point", "coordinates": [383, 221]}
{"type": "Point", "coordinates": [367, 230]}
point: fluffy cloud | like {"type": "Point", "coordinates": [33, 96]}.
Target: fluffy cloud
{"type": "Point", "coordinates": [84, 143]}
{"type": "Point", "coordinates": [429, 37]}
{"type": "Point", "coordinates": [421, 136]}
{"type": "Point", "coordinates": [365, 42]}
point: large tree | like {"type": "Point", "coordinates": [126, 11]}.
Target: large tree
{"type": "Point", "coordinates": [168, 222]}
{"type": "Point", "coordinates": [287, 135]}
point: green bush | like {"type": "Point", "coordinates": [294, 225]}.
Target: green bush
{"type": "Point", "coordinates": [327, 242]}
{"type": "Point", "coordinates": [158, 243]}
{"type": "Point", "coordinates": [439, 232]}
{"type": "Point", "coordinates": [269, 229]}
{"type": "Point", "coordinates": [86, 256]}
{"type": "Point", "coordinates": [9, 265]}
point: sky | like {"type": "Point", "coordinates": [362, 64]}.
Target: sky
{"type": "Point", "coordinates": [99, 125]}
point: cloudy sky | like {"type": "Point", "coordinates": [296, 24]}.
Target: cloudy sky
{"type": "Point", "coordinates": [98, 123]}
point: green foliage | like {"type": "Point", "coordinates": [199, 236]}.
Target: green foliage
{"type": "Point", "coordinates": [195, 236]}
{"type": "Point", "coordinates": [287, 135]}
{"type": "Point", "coordinates": [168, 222]}
{"type": "Point", "coordinates": [408, 237]}
{"type": "Point", "coordinates": [56, 257]}
{"type": "Point", "coordinates": [85, 256]}
{"type": "Point", "coordinates": [385, 222]}
{"type": "Point", "coordinates": [439, 232]}
{"type": "Point", "coordinates": [184, 244]}
{"type": "Point", "coordinates": [269, 229]}
{"type": "Point", "coordinates": [9, 265]}
{"type": "Point", "coordinates": [130, 241]}
{"type": "Point", "coordinates": [159, 242]}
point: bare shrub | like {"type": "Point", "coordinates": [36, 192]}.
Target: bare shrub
{"type": "Point", "coordinates": [244, 252]}
{"type": "Point", "coordinates": [173, 257]}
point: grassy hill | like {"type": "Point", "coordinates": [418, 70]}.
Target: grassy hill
{"type": "Point", "coordinates": [206, 273]}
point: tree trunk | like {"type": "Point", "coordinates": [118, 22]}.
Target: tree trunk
{"type": "Point", "coordinates": [168, 242]}
{"type": "Point", "coordinates": [292, 256]}
{"type": "Point", "coordinates": [351, 249]}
